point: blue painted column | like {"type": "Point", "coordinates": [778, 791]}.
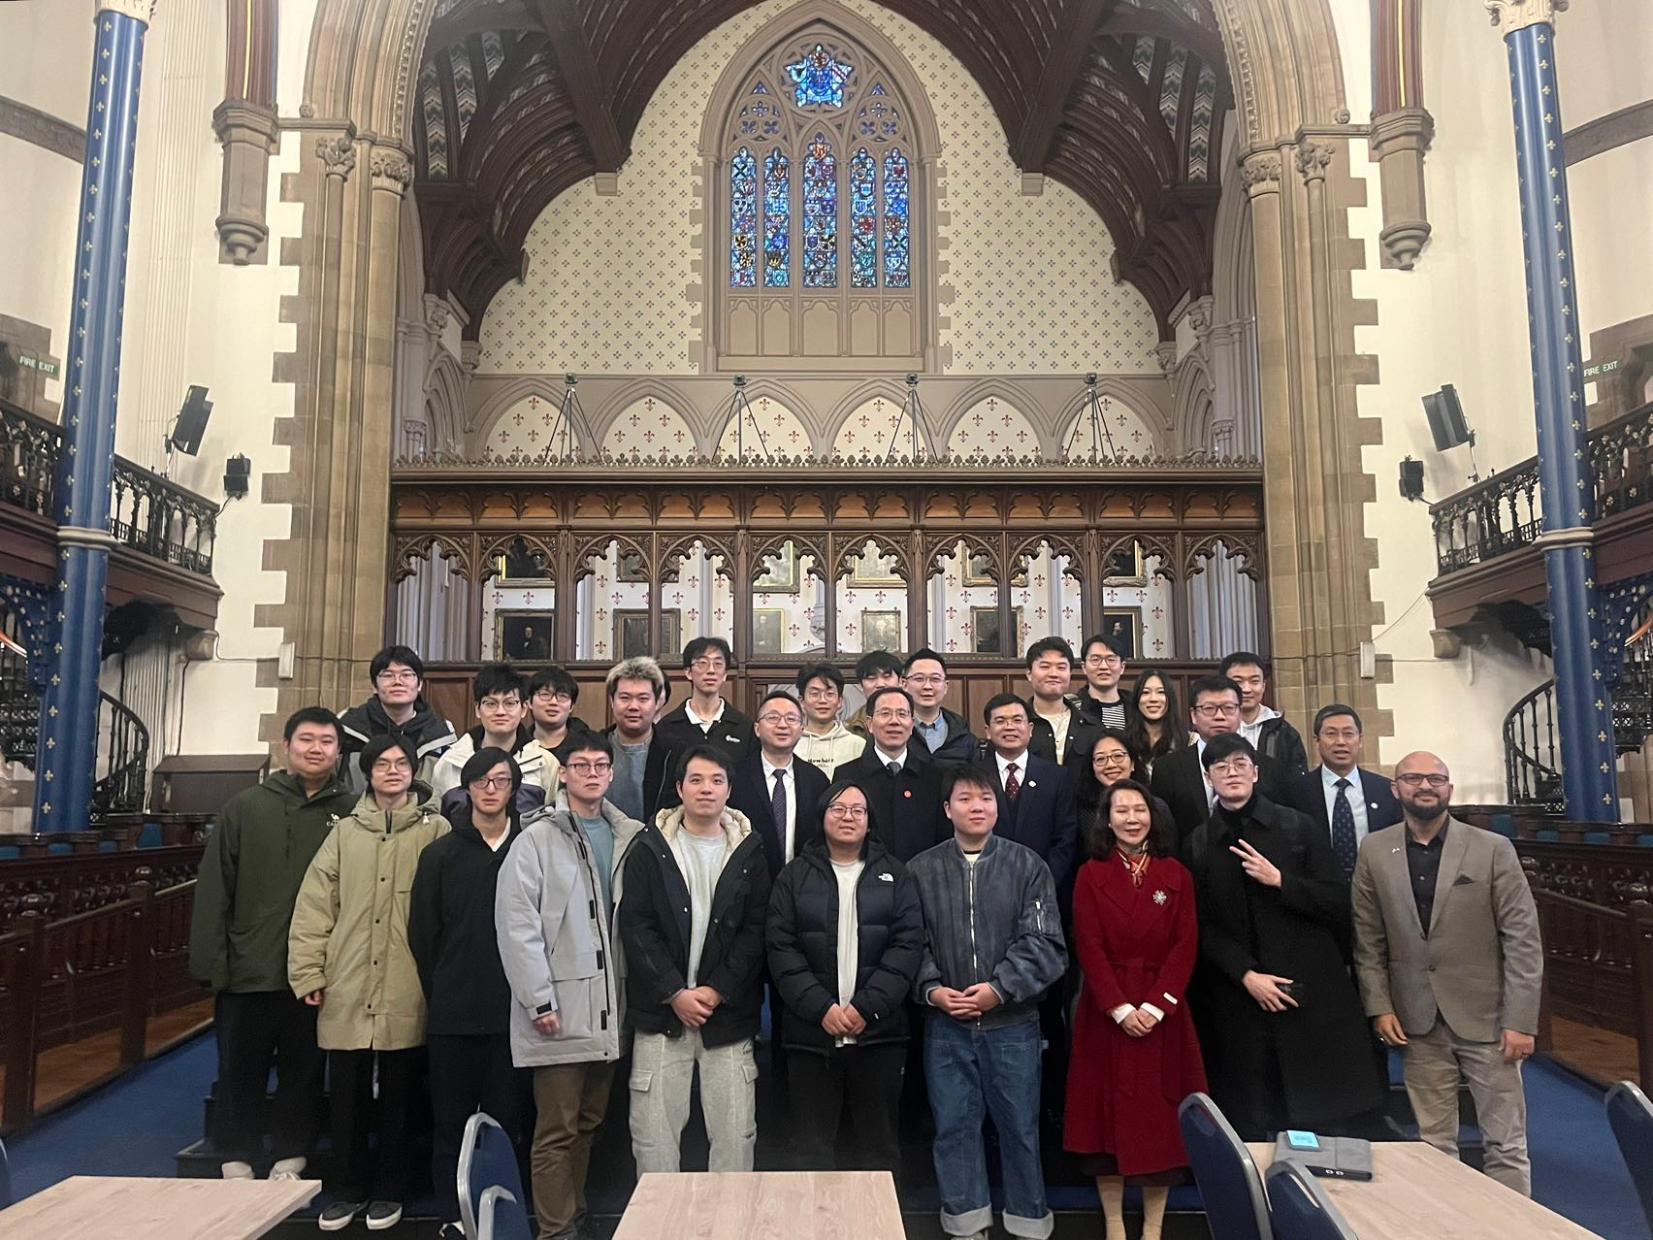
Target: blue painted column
{"type": "Point", "coordinates": [1583, 703]}
{"type": "Point", "coordinates": [65, 767]}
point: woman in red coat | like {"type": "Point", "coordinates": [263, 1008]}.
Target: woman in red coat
{"type": "Point", "coordinates": [1135, 1057]}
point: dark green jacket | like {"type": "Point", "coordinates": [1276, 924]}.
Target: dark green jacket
{"type": "Point", "coordinates": [250, 875]}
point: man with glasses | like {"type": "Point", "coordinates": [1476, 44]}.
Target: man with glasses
{"type": "Point", "coordinates": [704, 718]}
{"type": "Point", "coordinates": [467, 1002]}
{"type": "Point", "coordinates": [779, 793]}
{"type": "Point", "coordinates": [826, 744]}
{"type": "Point", "coordinates": [552, 696]}
{"type": "Point", "coordinates": [558, 891]}
{"type": "Point", "coordinates": [397, 708]}
{"type": "Point", "coordinates": [1102, 703]}
{"type": "Point", "coordinates": [1275, 740]}
{"type": "Point", "coordinates": [501, 710]}
{"type": "Point", "coordinates": [1281, 1028]}
{"type": "Point", "coordinates": [901, 784]}
{"type": "Point", "coordinates": [1036, 797]}
{"type": "Point", "coordinates": [1179, 778]}
{"type": "Point", "coordinates": [945, 735]}
{"type": "Point", "coordinates": [1345, 802]}
{"type": "Point", "coordinates": [1451, 967]}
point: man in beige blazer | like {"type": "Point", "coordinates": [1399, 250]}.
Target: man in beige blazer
{"type": "Point", "coordinates": [1450, 965]}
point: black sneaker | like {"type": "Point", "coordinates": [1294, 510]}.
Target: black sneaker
{"type": "Point", "coordinates": [383, 1215]}
{"type": "Point", "coordinates": [340, 1215]}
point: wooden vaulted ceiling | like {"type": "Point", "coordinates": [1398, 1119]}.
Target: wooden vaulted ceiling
{"type": "Point", "coordinates": [1122, 101]}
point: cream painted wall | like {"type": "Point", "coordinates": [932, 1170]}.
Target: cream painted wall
{"type": "Point", "coordinates": [1613, 234]}
{"type": "Point", "coordinates": [1604, 58]}
{"type": "Point", "coordinates": [1027, 287]}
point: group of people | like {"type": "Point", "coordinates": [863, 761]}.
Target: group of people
{"type": "Point", "coordinates": [1065, 923]}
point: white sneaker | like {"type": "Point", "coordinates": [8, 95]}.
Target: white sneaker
{"type": "Point", "coordinates": [236, 1171]}
{"type": "Point", "coordinates": [288, 1168]}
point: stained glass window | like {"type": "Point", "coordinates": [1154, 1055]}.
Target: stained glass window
{"type": "Point", "coordinates": [777, 220]}
{"type": "Point", "coordinates": [897, 222]}
{"type": "Point", "coordinates": [863, 220]}
{"type": "Point", "coordinates": [820, 78]}
{"type": "Point", "coordinates": [743, 220]}
{"type": "Point", "coordinates": [820, 210]}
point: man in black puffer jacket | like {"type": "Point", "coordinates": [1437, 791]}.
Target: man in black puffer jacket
{"type": "Point", "coordinates": [846, 935]}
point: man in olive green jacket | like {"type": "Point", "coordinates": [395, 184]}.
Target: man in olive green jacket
{"type": "Point", "coordinates": [250, 874]}
{"type": "Point", "coordinates": [348, 956]}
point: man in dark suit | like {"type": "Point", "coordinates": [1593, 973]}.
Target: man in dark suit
{"type": "Point", "coordinates": [780, 794]}
{"type": "Point", "coordinates": [703, 719]}
{"type": "Point", "coordinates": [1179, 777]}
{"type": "Point", "coordinates": [1340, 798]}
{"type": "Point", "coordinates": [1036, 797]}
{"type": "Point", "coordinates": [902, 786]}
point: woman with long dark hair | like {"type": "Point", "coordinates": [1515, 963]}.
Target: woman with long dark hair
{"type": "Point", "coordinates": [1158, 726]}
{"type": "Point", "coordinates": [1135, 1056]}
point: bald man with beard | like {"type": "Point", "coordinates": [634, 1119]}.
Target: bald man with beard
{"type": "Point", "coordinates": [1450, 965]}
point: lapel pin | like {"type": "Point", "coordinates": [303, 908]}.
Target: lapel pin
{"type": "Point", "coordinates": [1032, 783]}
{"type": "Point", "coordinates": [1160, 897]}
{"type": "Point", "coordinates": [908, 793]}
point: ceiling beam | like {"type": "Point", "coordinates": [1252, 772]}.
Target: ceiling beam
{"type": "Point", "coordinates": [1080, 21]}
{"type": "Point", "coordinates": [1128, 21]}
{"type": "Point", "coordinates": [578, 66]}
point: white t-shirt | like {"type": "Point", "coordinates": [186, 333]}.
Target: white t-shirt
{"type": "Point", "coordinates": [849, 939]}
{"type": "Point", "coordinates": [1059, 726]}
{"type": "Point", "coordinates": [701, 857]}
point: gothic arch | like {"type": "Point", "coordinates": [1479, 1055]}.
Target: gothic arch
{"type": "Point", "coordinates": [507, 397]}
{"type": "Point", "coordinates": [445, 383]}
{"type": "Point", "coordinates": [1007, 390]}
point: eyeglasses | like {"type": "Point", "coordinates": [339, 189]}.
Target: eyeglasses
{"type": "Point", "coordinates": [1214, 710]}
{"type": "Point", "coordinates": [407, 676]}
{"type": "Point", "coordinates": [1104, 660]}
{"type": "Point", "coordinates": [493, 703]}
{"type": "Point", "coordinates": [781, 717]}
{"type": "Point", "coordinates": [820, 693]}
{"type": "Point", "coordinates": [889, 716]}
{"type": "Point", "coordinates": [388, 766]}
{"type": "Point", "coordinates": [846, 811]}
{"type": "Point", "coordinates": [494, 783]}
{"type": "Point", "coordinates": [708, 665]}
{"type": "Point", "coordinates": [1414, 780]}
{"type": "Point", "coordinates": [589, 768]}
{"type": "Point", "coordinates": [553, 695]}
{"type": "Point", "coordinates": [1113, 757]}
{"type": "Point", "coordinates": [1234, 766]}
{"type": "Point", "coordinates": [927, 681]}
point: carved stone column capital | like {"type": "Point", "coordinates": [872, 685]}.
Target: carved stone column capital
{"type": "Point", "coordinates": [1314, 156]}
{"type": "Point", "coordinates": [1200, 314]}
{"type": "Point", "coordinates": [437, 314]}
{"type": "Point", "coordinates": [1260, 174]}
{"type": "Point", "coordinates": [391, 169]}
{"type": "Point", "coordinates": [1165, 352]}
{"type": "Point", "coordinates": [470, 355]}
{"type": "Point", "coordinates": [337, 154]}
{"type": "Point", "coordinates": [1512, 15]}
{"type": "Point", "coordinates": [1399, 140]}
{"type": "Point", "coordinates": [247, 132]}
{"type": "Point", "coordinates": [138, 10]}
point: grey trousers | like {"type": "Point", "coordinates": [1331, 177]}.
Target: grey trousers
{"type": "Point", "coordinates": [1433, 1064]}
{"type": "Point", "coordinates": [662, 1073]}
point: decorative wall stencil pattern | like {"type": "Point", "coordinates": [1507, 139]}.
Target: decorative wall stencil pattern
{"type": "Point", "coordinates": [612, 283]}
{"type": "Point", "coordinates": [782, 432]}
{"type": "Point", "coordinates": [1128, 429]}
{"type": "Point", "coordinates": [648, 428]}
{"type": "Point", "coordinates": [991, 427]}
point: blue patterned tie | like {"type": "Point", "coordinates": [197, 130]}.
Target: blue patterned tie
{"type": "Point", "coordinates": [1343, 829]}
{"type": "Point", "coordinates": [777, 807]}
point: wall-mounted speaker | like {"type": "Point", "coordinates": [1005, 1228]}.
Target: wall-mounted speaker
{"type": "Point", "coordinates": [191, 425]}
{"type": "Point", "coordinates": [1411, 479]}
{"type": "Point", "coordinates": [1446, 418]}
{"type": "Point", "coordinates": [237, 471]}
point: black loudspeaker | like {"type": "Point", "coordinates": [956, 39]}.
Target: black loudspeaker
{"type": "Point", "coordinates": [1446, 418]}
{"type": "Point", "coordinates": [191, 426]}
{"type": "Point", "coordinates": [1411, 479]}
{"type": "Point", "coordinates": [237, 470]}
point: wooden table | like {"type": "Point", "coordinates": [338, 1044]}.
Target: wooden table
{"type": "Point", "coordinates": [764, 1205]}
{"type": "Point", "coordinates": [135, 1208]}
{"type": "Point", "coordinates": [1417, 1191]}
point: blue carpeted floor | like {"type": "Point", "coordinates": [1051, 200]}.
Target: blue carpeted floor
{"type": "Point", "coordinates": [137, 1127]}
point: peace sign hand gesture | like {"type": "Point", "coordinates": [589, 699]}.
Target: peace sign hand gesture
{"type": "Point", "coordinates": [1257, 866]}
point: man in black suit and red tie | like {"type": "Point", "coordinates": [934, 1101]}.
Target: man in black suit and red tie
{"type": "Point", "coordinates": [1036, 797]}
{"type": "Point", "coordinates": [779, 793]}
{"type": "Point", "coordinates": [1343, 800]}
{"type": "Point", "coordinates": [902, 785]}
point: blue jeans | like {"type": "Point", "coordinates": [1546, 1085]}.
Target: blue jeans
{"type": "Point", "coordinates": [973, 1073]}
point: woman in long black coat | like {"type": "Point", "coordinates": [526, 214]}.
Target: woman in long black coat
{"type": "Point", "coordinates": [1285, 1041]}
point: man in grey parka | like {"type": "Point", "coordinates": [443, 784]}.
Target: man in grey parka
{"type": "Point", "coordinates": [554, 911]}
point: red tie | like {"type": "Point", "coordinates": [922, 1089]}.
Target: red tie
{"type": "Point", "coordinates": [1012, 785]}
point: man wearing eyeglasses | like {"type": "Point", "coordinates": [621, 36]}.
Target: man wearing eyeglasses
{"type": "Point", "coordinates": [555, 905]}
{"type": "Point", "coordinates": [901, 784]}
{"type": "Point", "coordinates": [500, 711]}
{"type": "Point", "coordinates": [1179, 777]}
{"type": "Point", "coordinates": [552, 696]}
{"type": "Point", "coordinates": [1280, 1024]}
{"type": "Point", "coordinates": [1450, 965]}
{"type": "Point", "coordinates": [397, 707]}
{"type": "Point", "coordinates": [945, 735]}
{"type": "Point", "coordinates": [1102, 703]}
{"type": "Point", "coordinates": [705, 718]}
{"type": "Point", "coordinates": [779, 793]}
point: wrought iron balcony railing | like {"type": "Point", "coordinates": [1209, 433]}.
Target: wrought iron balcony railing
{"type": "Point", "coordinates": [1504, 513]}
{"type": "Point", "coordinates": [153, 516]}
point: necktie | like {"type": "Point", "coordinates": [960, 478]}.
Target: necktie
{"type": "Point", "coordinates": [894, 768]}
{"type": "Point", "coordinates": [1012, 784]}
{"type": "Point", "coordinates": [777, 804]}
{"type": "Point", "coordinates": [1343, 828]}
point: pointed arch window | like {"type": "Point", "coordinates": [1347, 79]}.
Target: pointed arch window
{"type": "Point", "coordinates": [821, 206]}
